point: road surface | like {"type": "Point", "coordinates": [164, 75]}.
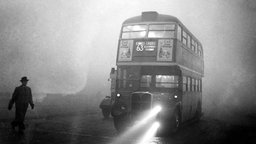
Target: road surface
{"type": "Point", "coordinates": [91, 128]}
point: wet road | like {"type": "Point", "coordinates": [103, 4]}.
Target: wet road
{"type": "Point", "coordinates": [91, 128]}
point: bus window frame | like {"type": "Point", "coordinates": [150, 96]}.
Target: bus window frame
{"type": "Point", "coordinates": [189, 41]}
{"type": "Point", "coordinates": [147, 83]}
{"type": "Point", "coordinates": [124, 77]}
{"type": "Point", "coordinates": [200, 85]}
{"type": "Point", "coordinates": [146, 28]}
{"type": "Point", "coordinates": [162, 24]}
{"type": "Point", "coordinates": [174, 84]}
{"type": "Point", "coordinates": [173, 34]}
{"type": "Point", "coordinates": [184, 83]}
{"type": "Point", "coordinates": [192, 84]}
{"type": "Point", "coordinates": [179, 33]}
{"type": "Point", "coordinates": [189, 83]}
{"type": "Point", "coordinates": [133, 37]}
{"type": "Point", "coordinates": [184, 37]}
{"type": "Point", "coordinates": [164, 30]}
{"type": "Point", "coordinates": [124, 80]}
{"type": "Point", "coordinates": [168, 35]}
{"type": "Point", "coordinates": [192, 46]}
{"type": "Point", "coordinates": [196, 47]}
{"type": "Point", "coordinates": [196, 89]}
{"type": "Point", "coordinates": [136, 31]}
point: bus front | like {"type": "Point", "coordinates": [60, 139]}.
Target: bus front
{"type": "Point", "coordinates": [147, 76]}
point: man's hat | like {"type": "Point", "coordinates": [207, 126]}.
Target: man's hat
{"type": "Point", "coordinates": [24, 79]}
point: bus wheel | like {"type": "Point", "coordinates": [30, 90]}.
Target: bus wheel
{"type": "Point", "coordinates": [106, 113]}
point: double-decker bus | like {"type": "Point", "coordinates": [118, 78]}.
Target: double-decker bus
{"type": "Point", "coordinates": [159, 63]}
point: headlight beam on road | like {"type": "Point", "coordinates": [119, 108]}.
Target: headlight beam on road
{"type": "Point", "coordinates": [150, 133]}
{"type": "Point", "coordinates": [152, 113]}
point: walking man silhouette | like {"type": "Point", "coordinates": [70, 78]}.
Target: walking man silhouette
{"type": "Point", "coordinates": [22, 97]}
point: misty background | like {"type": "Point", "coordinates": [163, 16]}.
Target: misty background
{"type": "Point", "coordinates": [69, 47]}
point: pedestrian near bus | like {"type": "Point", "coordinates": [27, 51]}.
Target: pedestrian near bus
{"type": "Point", "coordinates": [21, 97]}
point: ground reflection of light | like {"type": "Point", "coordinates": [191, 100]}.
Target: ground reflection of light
{"type": "Point", "coordinates": [150, 133]}
{"type": "Point", "coordinates": [133, 129]}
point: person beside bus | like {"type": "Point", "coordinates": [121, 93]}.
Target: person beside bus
{"type": "Point", "coordinates": [22, 97]}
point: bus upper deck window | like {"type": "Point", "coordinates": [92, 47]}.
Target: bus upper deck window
{"type": "Point", "coordinates": [134, 28]}
{"type": "Point", "coordinates": [161, 34]}
{"type": "Point", "coordinates": [127, 35]}
{"type": "Point", "coordinates": [162, 27]}
{"type": "Point", "coordinates": [179, 33]}
{"type": "Point", "coordinates": [134, 31]}
{"type": "Point", "coordinates": [161, 31]}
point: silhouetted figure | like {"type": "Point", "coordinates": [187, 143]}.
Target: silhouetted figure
{"type": "Point", "coordinates": [106, 105]}
{"type": "Point", "coordinates": [22, 96]}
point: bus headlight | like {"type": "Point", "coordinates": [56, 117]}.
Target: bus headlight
{"type": "Point", "coordinates": [123, 108]}
{"type": "Point", "coordinates": [157, 109]}
{"type": "Point", "coordinates": [153, 112]}
{"type": "Point", "coordinates": [157, 124]}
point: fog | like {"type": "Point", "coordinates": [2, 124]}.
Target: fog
{"type": "Point", "coordinates": [70, 46]}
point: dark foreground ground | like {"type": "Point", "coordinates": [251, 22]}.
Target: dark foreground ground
{"type": "Point", "coordinates": [91, 128]}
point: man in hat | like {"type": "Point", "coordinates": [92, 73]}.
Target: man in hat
{"type": "Point", "coordinates": [21, 96]}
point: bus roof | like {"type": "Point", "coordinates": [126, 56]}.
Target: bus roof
{"type": "Point", "coordinates": [151, 16]}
